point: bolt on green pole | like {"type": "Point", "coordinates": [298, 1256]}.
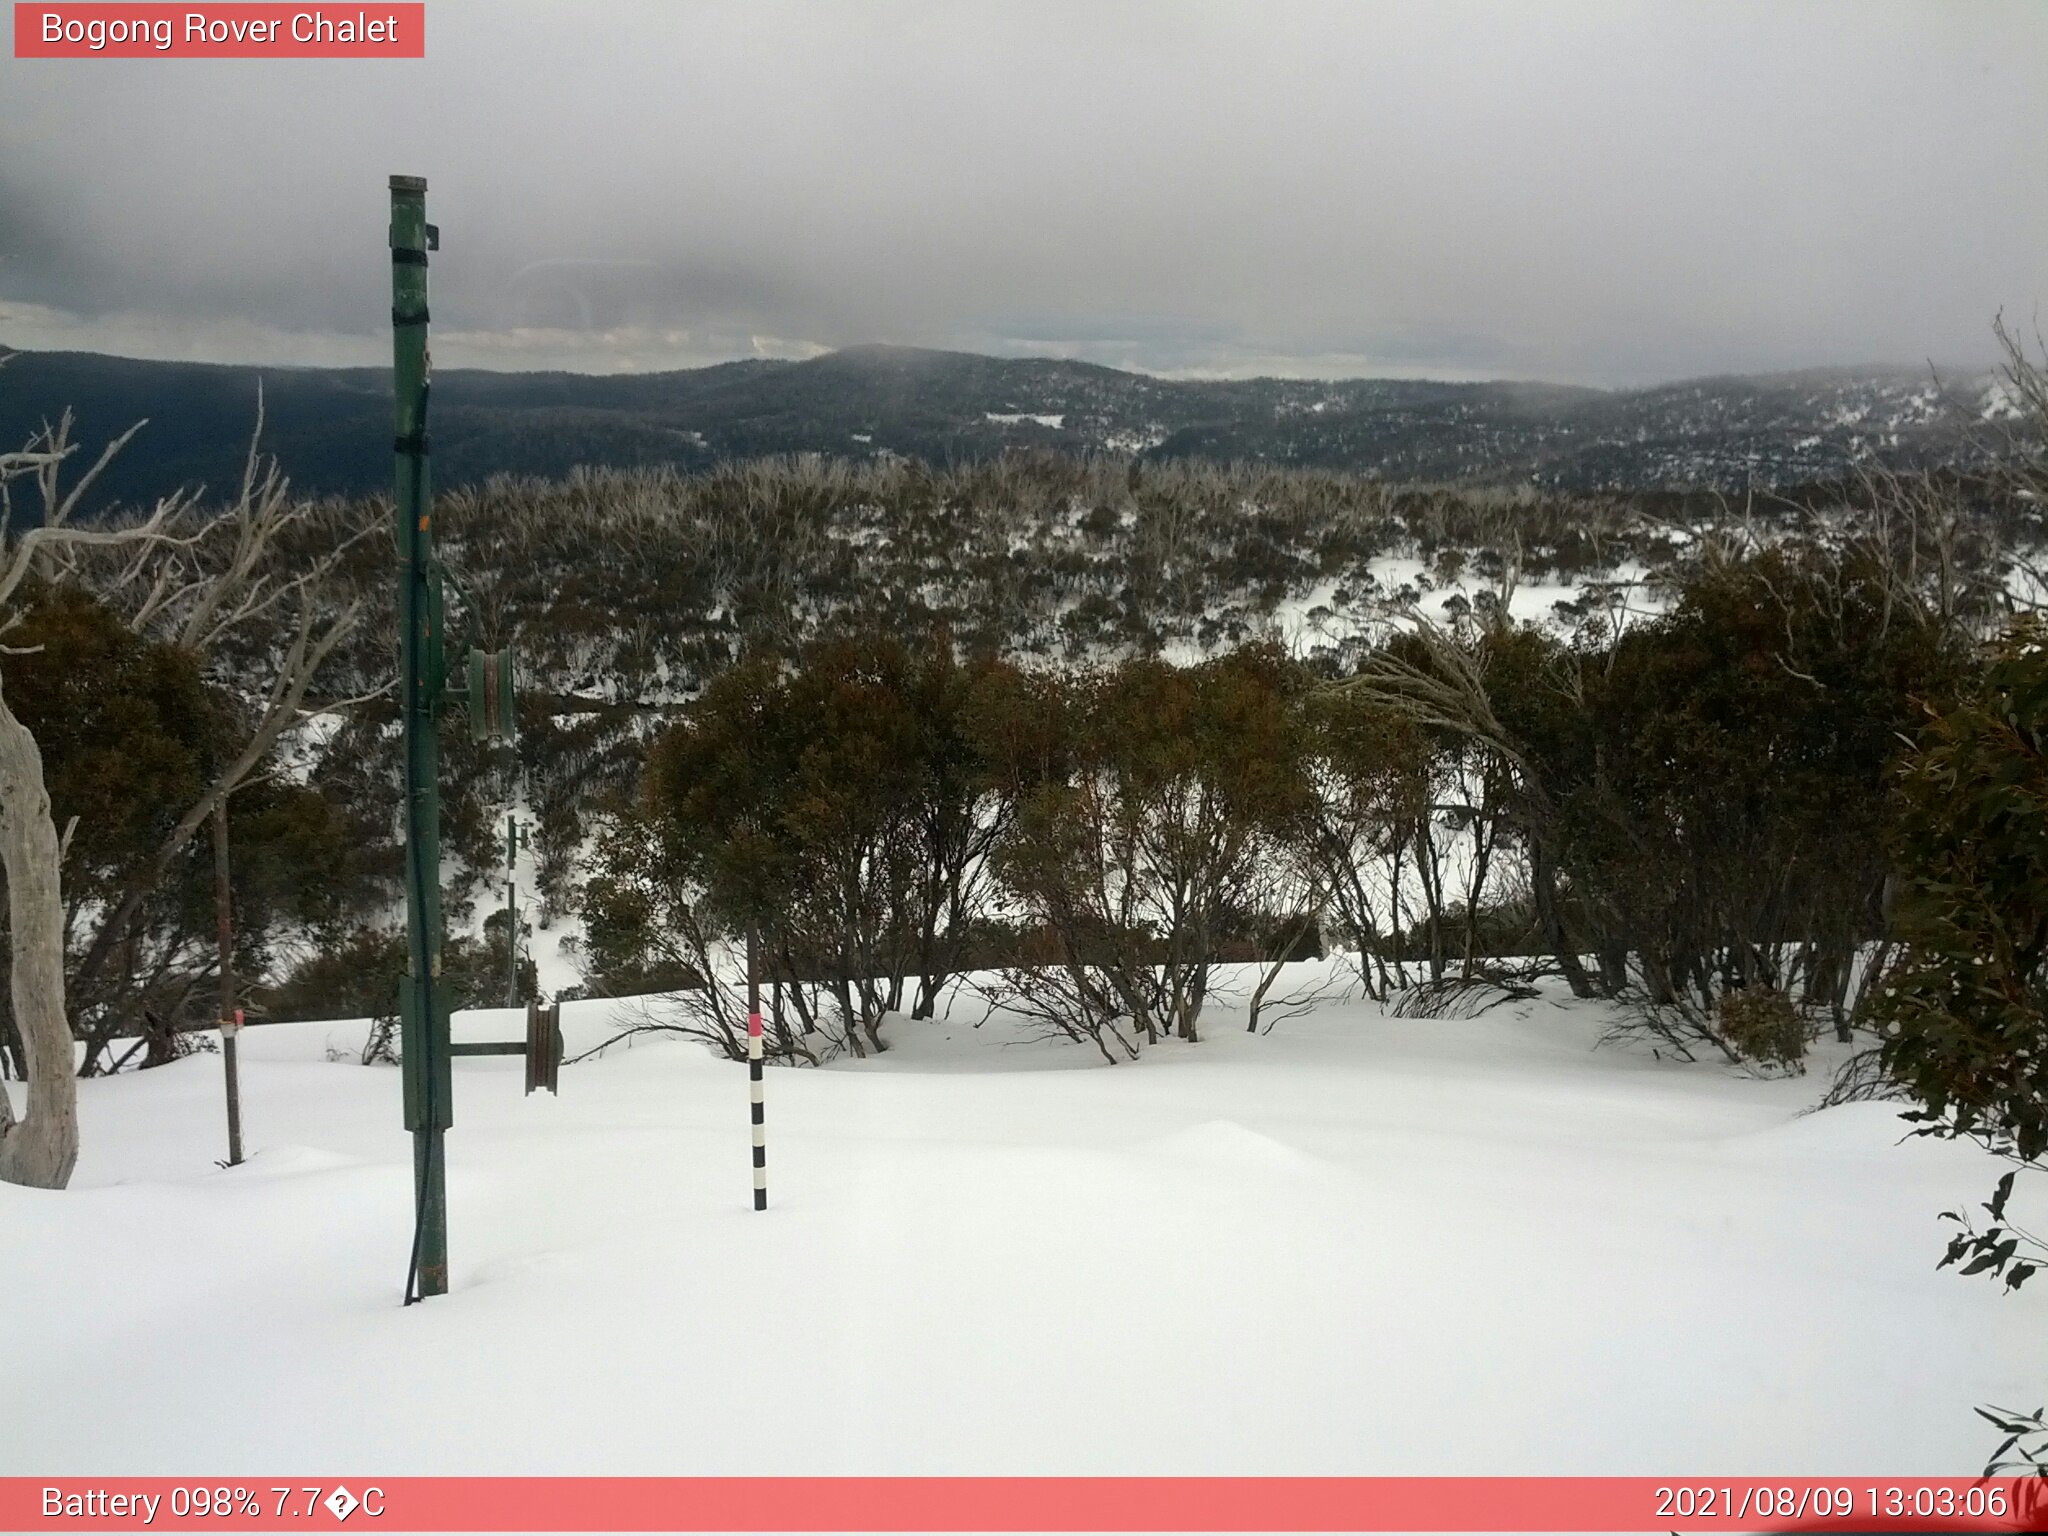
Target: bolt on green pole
{"type": "Point", "coordinates": [423, 1010]}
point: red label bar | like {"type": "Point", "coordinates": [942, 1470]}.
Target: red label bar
{"type": "Point", "coordinates": [370, 29]}
{"type": "Point", "coordinates": [1651, 1504]}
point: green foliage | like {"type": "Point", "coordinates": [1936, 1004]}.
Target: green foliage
{"type": "Point", "coordinates": [126, 727]}
{"type": "Point", "coordinates": [1366, 773]}
{"type": "Point", "coordinates": [299, 858]}
{"type": "Point", "coordinates": [1709, 787]}
{"type": "Point", "coordinates": [131, 735]}
{"type": "Point", "coordinates": [2022, 1453]}
{"type": "Point", "coordinates": [1966, 1011]}
{"type": "Point", "coordinates": [353, 978]}
{"type": "Point", "coordinates": [777, 784]}
{"type": "Point", "coordinates": [357, 976]}
{"type": "Point", "coordinates": [832, 806]}
{"type": "Point", "coordinates": [639, 917]}
{"type": "Point", "coordinates": [1995, 1250]}
{"type": "Point", "coordinates": [854, 808]}
{"type": "Point", "coordinates": [1150, 800]}
{"type": "Point", "coordinates": [1732, 798]}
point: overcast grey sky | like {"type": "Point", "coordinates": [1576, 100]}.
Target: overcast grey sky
{"type": "Point", "coordinates": [1596, 192]}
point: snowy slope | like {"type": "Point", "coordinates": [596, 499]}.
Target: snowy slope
{"type": "Point", "coordinates": [1356, 1245]}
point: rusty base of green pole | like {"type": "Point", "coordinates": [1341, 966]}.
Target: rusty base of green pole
{"type": "Point", "coordinates": [232, 1068]}
{"type": "Point", "coordinates": [431, 1239]}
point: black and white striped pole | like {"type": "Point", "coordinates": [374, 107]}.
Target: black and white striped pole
{"type": "Point", "coordinates": [754, 1084]}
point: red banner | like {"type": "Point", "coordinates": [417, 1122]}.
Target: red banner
{"type": "Point", "coordinates": [395, 1504]}
{"type": "Point", "coordinates": [113, 31]}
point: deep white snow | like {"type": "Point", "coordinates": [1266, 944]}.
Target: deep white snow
{"type": "Point", "coordinates": [1356, 1245]}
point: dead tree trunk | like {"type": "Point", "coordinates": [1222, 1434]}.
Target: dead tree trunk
{"type": "Point", "coordinates": [41, 1148]}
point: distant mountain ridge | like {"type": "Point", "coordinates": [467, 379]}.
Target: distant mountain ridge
{"type": "Point", "coordinates": [331, 426]}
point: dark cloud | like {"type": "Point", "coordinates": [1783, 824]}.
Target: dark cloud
{"type": "Point", "coordinates": [1601, 192]}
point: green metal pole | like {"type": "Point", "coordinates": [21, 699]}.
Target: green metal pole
{"type": "Point", "coordinates": [511, 912]}
{"type": "Point", "coordinates": [423, 1011]}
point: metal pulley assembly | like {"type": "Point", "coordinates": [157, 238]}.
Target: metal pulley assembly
{"type": "Point", "coordinates": [543, 1047]}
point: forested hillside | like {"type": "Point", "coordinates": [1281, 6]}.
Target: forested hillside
{"type": "Point", "coordinates": [330, 426]}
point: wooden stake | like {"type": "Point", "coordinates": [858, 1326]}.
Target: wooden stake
{"type": "Point", "coordinates": [230, 1015]}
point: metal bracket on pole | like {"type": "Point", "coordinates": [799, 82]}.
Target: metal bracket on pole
{"type": "Point", "coordinates": [542, 1047]}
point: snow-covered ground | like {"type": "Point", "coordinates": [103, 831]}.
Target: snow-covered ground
{"type": "Point", "coordinates": [1356, 1245]}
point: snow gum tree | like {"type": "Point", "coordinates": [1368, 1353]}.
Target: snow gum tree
{"type": "Point", "coordinates": [39, 1146]}
{"type": "Point", "coordinates": [205, 585]}
{"type": "Point", "coordinates": [124, 726]}
{"type": "Point", "coordinates": [1698, 800]}
{"type": "Point", "coordinates": [832, 808]}
{"type": "Point", "coordinates": [1148, 799]}
{"type": "Point", "coordinates": [1361, 764]}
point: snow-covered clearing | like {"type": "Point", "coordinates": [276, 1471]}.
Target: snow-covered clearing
{"type": "Point", "coordinates": [1356, 1245]}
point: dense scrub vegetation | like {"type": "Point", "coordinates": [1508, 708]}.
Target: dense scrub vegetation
{"type": "Point", "coordinates": [1691, 815]}
{"type": "Point", "coordinates": [1088, 724]}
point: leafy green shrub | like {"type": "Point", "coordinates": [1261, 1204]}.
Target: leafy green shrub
{"type": "Point", "coordinates": [357, 976]}
{"type": "Point", "coordinates": [1965, 1014]}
